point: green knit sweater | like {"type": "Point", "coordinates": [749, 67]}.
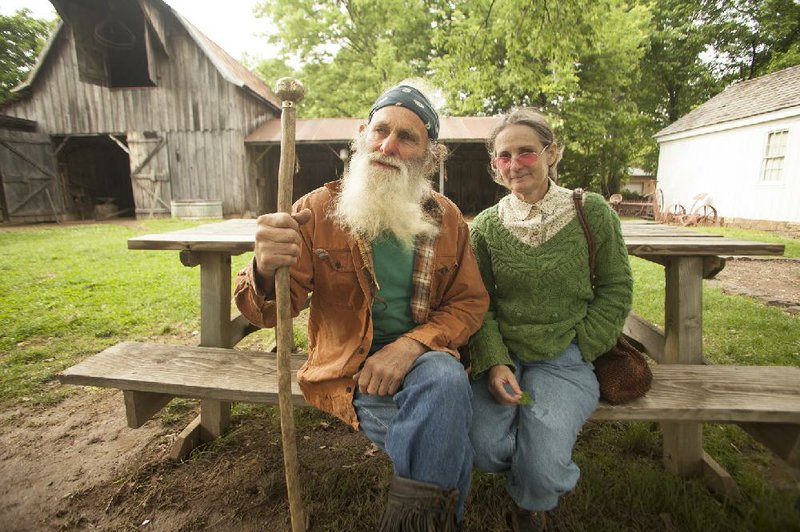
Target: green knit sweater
{"type": "Point", "coordinates": [542, 298]}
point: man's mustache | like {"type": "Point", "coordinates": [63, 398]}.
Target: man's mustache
{"type": "Point", "coordinates": [388, 160]}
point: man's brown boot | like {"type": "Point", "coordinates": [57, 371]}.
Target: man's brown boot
{"type": "Point", "coordinates": [414, 506]}
{"type": "Point", "coordinates": [523, 520]}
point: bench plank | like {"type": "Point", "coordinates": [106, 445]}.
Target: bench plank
{"type": "Point", "coordinates": [709, 393]}
{"type": "Point", "coordinates": [681, 392]}
{"type": "Point", "coordinates": [186, 371]}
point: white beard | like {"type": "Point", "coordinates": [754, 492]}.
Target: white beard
{"type": "Point", "coordinates": [375, 200]}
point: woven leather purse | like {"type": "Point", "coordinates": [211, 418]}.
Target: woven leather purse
{"type": "Point", "coordinates": [623, 372]}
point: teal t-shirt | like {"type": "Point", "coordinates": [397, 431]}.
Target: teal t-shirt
{"type": "Point", "coordinates": [391, 308]}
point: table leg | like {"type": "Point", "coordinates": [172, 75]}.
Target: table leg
{"type": "Point", "coordinates": [215, 331]}
{"type": "Point", "coordinates": [683, 334]}
{"type": "Point", "coordinates": [215, 324]}
{"type": "Point", "coordinates": [683, 344]}
{"type": "Point", "coordinates": [215, 299]}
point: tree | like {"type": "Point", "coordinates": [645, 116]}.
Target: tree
{"type": "Point", "coordinates": [500, 53]}
{"type": "Point", "coordinates": [695, 48]}
{"type": "Point", "coordinates": [270, 70]}
{"type": "Point", "coordinates": [351, 49]}
{"type": "Point", "coordinates": [21, 39]}
{"type": "Point", "coordinates": [674, 77]}
{"type": "Point", "coordinates": [603, 128]}
{"type": "Point", "coordinates": [577, 61]}
{"type": "Point", "coordinates": [609, 73]}
{"type": "Point", "coordinates": [751, 38]}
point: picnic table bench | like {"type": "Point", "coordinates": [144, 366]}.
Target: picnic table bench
{"type": "Point", "coordinates": [686, 391]}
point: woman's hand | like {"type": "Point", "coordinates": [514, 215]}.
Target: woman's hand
{"type": "Point", "coordinates": [501, 376]}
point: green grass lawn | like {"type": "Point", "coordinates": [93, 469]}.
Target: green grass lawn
{"type": "Point", "coordinates": [69, 291]}
{"type": "Point", "coordinates": [792, 244]}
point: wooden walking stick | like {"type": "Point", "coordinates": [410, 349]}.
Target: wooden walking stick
{"type": "Point", "coordinates": [290, 91]}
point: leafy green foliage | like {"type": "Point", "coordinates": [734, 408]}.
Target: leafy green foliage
{"type": "Point", "coordinates": [21, 38]}
{"type": "Point", "coordinates": [752, 37]}
{"type": "Point", "coordinates": [526, 399]}
{"type": "Point", "coordinates": [352, 50]}
{"type": "Point", "coordinates": [674, 77]}
{"type": "Point", "coordinates": [610, 73]}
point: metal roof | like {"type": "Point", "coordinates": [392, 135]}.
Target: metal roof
{"type": "Point", "coordinates": [343, 130]}
{"type": "Point", "coordinates": [765, 94]}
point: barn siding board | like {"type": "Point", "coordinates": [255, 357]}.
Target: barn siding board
{"type": "Point", "coordinates": [200, 169]}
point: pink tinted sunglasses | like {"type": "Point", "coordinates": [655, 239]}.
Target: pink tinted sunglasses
{"type": "Point", "coordinates": [526, 158]}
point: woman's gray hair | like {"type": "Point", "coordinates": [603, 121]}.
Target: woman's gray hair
{"type": "Point", "coordinates": [526, 116]}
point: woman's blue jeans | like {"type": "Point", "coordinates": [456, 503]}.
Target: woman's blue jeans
{"type": "Point", "coordinates": [424, 426]}
{"type": "Point", "coordinates": [534, 442]}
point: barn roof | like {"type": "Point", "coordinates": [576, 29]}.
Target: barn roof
{"type": "Point", "coordinates": [228, 67]}
{"type": "Point", "coordinates": [765, 94]}
{"type": "Point", "coordinates": [231, 69]}
{"type": "Point", "coordinates": [342, 130]}
{"type": "Point", "coordinates": [48, 45]}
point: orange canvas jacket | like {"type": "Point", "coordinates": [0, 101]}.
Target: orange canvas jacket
{"type": "Point", "coordinates": [332, 267]}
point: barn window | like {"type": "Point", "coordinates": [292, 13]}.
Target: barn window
{"type": "Point", "coordinates": [772, 168]}
{"type": "Point", "coordinates": [111, 42]}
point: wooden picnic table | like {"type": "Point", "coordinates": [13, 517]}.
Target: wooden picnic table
{"type": "Point", "coordinates": [687, 257]}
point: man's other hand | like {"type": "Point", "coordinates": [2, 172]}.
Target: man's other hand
{"type": "Point", "coordinates": [384, 371]}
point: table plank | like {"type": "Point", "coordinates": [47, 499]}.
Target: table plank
{"type": "Point", "coordinates": [642, 239]}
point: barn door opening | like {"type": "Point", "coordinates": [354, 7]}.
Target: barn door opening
{"type": "Point", "coordinates": [149, 167]}
{"type": "Point", "coordinates": [96, 175]}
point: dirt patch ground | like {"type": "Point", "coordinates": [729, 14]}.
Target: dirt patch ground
{"type": "Point", "coordinates": [775, 282]}
{"type": "Point", "coordinates": [76, 465]}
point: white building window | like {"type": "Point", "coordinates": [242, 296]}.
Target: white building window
{"type": "Point", "coordinates": [772, 168]}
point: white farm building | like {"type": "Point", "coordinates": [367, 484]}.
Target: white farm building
{"type": "Point", "coordinates": [742, 149]}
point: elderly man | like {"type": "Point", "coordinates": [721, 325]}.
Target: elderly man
{"type": "Point", "coordinates": [395, 291]}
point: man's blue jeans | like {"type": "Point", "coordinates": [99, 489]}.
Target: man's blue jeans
{"type": "Point", "coordinates": [534, 442]}
{"type": "Point", "coordinates": [424, 427]}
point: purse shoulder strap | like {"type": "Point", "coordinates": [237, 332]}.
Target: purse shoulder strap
{"type": "Point", "coordinates": [577, 199]}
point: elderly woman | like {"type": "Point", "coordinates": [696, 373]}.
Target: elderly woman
{"type": "Point", "coordinates": [533, 381]}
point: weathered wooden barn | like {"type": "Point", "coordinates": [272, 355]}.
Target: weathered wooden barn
{"type": "Point", "coordinates": [323, 149]}
{"type": "Point", "coordinates": [130, 108]}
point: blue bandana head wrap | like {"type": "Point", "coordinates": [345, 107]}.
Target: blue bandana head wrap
{"type": "Point", "coordinates": [413, 100]}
